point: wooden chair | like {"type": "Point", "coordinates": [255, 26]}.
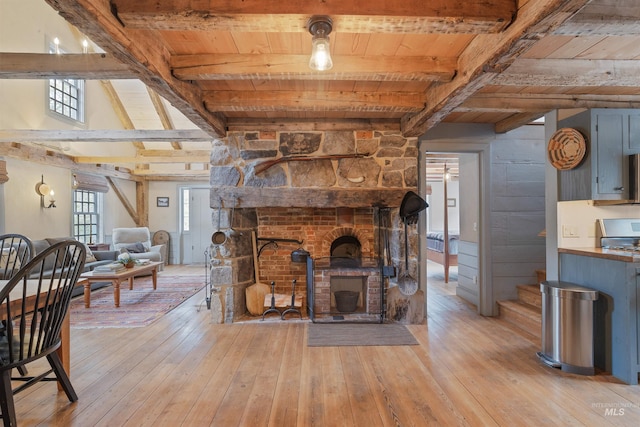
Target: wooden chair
{"type": "Point", "coordinates": [15, 251]}
{"type": "Point", "coordinates": [32, 309]}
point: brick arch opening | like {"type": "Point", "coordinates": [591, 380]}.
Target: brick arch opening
{"type": "Point", "coordinates": [364, 238]}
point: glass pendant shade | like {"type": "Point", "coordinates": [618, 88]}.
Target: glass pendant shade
{"type": "Point", "coordinates": [320, 27]}
{"type": "Point", "coordinates": [320, 54]}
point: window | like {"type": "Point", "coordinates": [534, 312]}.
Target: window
{"type": "Point", "coordinates": [185, 209]}
{"type": "Point", "coordinates": [86, 216]}
{"type": "Point", "coordinates": [66, 96]}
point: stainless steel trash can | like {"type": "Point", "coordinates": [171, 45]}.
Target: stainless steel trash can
{"type": "Point", "coordinates": [567, 326]}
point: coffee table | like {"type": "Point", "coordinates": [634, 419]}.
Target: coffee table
{"type": "Point", "coordinates": [117, 278]}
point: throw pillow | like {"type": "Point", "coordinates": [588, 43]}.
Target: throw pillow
{"type": "Point", "coordinates": [134, 248]}
{"type": "Point", "coordinates": [90, 256]}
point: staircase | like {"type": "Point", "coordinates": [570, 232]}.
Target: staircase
{"type": "Point", "coordinates": [524, 315]}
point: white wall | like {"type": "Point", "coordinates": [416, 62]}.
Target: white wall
{"type": "Point", "coordinates": [577, 221]}
{"type": "Point", "coordinates": [435, 218]}
{"type": "Point", "coordinates": [115, 215]}
{"type": "Point", "coordinates": [164, 218]}
{"type": "Point", "coordinates": [22, 210]}
{"type": "Point", "coordinates": [23, 214]}
{"type": "Point", "coordinates": [469, 200]}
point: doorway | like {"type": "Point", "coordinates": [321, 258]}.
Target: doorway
{"type": "Point", "coordinates": [443, 222]}
{"type": "Point", "coordinates": [473, 255]}
{"type": "Point", "coordinates": [196, 224]}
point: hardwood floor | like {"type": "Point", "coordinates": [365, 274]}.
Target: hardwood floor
{"type": "Point", "coordinates": [184, 370]}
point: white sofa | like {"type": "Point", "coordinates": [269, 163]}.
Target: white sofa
{"type": "Point", "coordinates": [137, 241]}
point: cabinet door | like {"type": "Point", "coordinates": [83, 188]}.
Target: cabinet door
{"type": "Point", "coordinates": [633, 147]}
{"type": "Point", "coordinates": [610, 167]}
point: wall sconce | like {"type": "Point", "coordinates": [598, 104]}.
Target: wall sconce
{"type": "Point", "coordinates": [43, 190]}
{"type": "Point", "coordinates": [320, 27]}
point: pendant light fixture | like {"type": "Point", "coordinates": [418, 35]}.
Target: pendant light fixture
{"type": "Point", "coordinates": [320, 27]}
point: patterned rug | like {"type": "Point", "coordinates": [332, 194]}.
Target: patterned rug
{"type": "Point", "coordinates": [138, 307]}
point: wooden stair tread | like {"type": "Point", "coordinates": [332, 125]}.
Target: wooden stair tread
{"type": "Point", "coordinates": [530, 294]}
{"type": "Point", "coordinates": [528, 310]}
{"type": "Point", "coordinates": [522, 317]}
{"type": "Point", "coordinates": [529, 288]}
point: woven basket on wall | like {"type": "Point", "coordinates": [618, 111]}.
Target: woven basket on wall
{"type": "Point", "coordinates": [566, 148]}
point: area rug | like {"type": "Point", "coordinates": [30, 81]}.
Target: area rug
{"type": "Point", "coordinates": [358, 334]}
{"type": "Point", "coordinates": [138, 307]}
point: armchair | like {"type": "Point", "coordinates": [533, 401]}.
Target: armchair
{"type": "Point", "coordinates": [137, 241]}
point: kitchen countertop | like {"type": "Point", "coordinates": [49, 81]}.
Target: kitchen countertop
{"type": "Point", "coordinates": [603, 253]}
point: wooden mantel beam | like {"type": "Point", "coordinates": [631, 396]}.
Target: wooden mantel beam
{"type": "Point", "coordinates": [349, 16]}
{"type": "Point", "coordinates": [251, 197]}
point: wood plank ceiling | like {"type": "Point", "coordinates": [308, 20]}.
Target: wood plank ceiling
{"type": "Point", "coordinates": [405, 66]}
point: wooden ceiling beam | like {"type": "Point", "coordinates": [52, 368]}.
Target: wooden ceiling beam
{"type": "Point", "coordinates": [479, 65]}
{"type": "Point", "coordinates": [175, 153]}
{"type": "Point", "coordinates": [142, 159]}
{"type": "Point", "coordinates": [516, 120]}
{"type": "Point", "coordinates": [88, 66]}
{"type": "Point", "coordinates": [177, 178]}
{"type": "Point", "coordinates": [300, 125]}
{"type": "Point", "coordinates": [296, 67]}
{"type": "Point", "coordinates": [35, 154]}
{"type": "Point", "coordinates": [604, 18]}
{"type": "Point", "coordinates": [94, 66]}
{"type": "Point", "coordinates": [142, 53]}
{"type": "Point", "coordinates": [186, 172]}
{"type": "Point", "coordinates": [163, 114]}
{"type": "Point", "coordinates": [99, 135]}
{"type": "Point", "coordinates": [536, 102]}
{"type": "Point", "coordinates": [118, 108]}
{"type": "Point", "coordinates": [570, 72]}
{"type": "Point", "coordinates": [312, 101]}
{"type": "Point", "coordinates": [124, 200]}
{"type": "Point", "coordinates": [373, 16]}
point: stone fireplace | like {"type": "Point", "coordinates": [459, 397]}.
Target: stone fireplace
{"type": "Point", "coordinates": [314, 201]}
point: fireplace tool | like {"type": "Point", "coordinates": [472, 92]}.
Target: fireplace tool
{"type": "Point", "coordinates": [272, 308]}
{"type": "Point", "coordinates": [407, 284]}
{"type": "Point", "coordinates": [207, 279]}
{"type": "Point", "coordinates": [293, 308]}
{"type": "Point", "coordinates": [411, 206]}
